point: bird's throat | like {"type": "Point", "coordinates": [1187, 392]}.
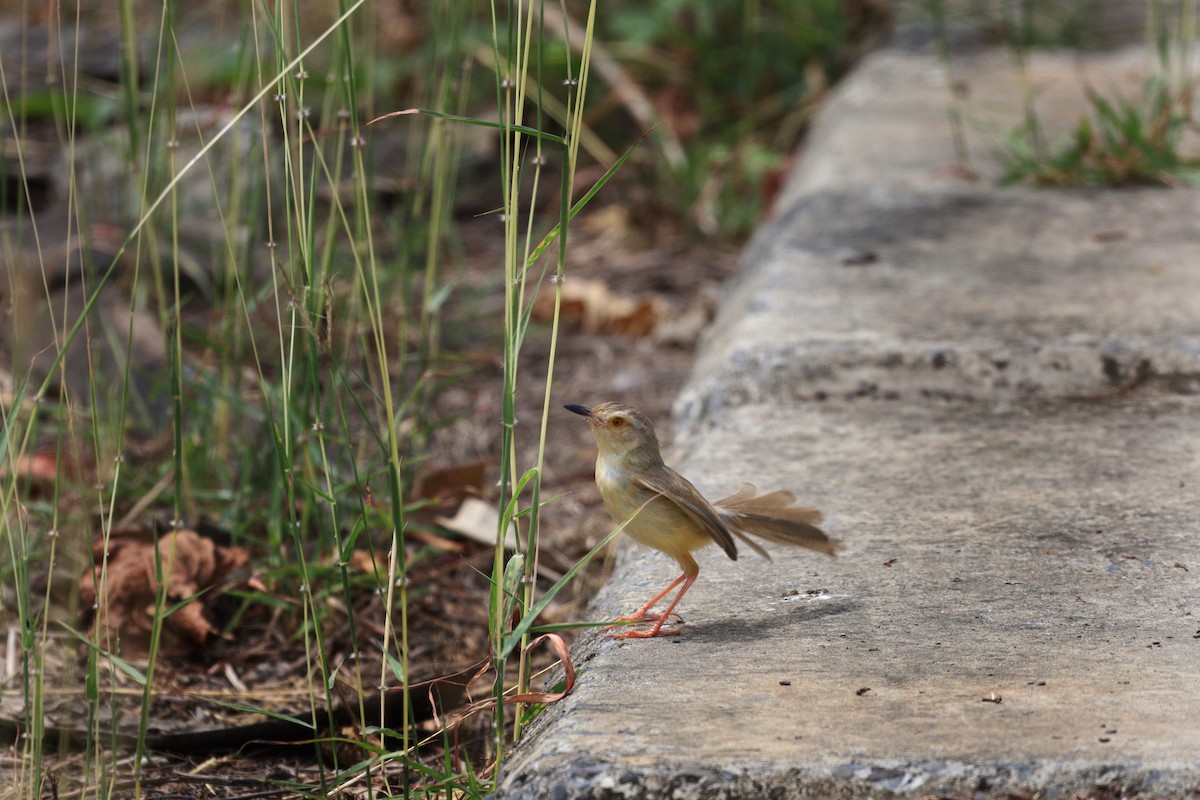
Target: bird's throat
{"type": "Point", "coordinates": [610, 476]}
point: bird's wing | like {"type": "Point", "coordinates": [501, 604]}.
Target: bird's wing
{"type": "Point", "coordinates": [675, 488]}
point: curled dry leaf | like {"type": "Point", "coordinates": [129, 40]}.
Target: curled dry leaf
{"type": "Point", "coordinates": [124, 608]}
{"type": "Point", "coordinates": [559, 645]}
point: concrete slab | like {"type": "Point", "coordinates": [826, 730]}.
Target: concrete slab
{"type": "Point", "coordinates": [995, 397]}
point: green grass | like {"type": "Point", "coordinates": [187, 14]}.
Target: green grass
{"type": "Point", "coordinates": [1143, 139]}
{"type": "Point", "coordinates": [1124, 141]}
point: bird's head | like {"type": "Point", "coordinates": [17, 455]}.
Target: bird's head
{"type": "Point", "coordinates": [620, 430]}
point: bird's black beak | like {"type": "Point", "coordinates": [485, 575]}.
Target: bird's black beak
{"type": "Point", "coordinates": [582, 411]}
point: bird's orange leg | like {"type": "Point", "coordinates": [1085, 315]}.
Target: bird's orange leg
{"type": "Point", "coordinates": [657, 630]}
{"type": "Point", "coordinates": [643, 613]}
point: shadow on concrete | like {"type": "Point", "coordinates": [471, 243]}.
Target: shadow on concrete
{"type": "Point", "coordinates": [741, 629]}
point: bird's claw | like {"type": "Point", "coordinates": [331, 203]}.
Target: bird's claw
{"type": "Point", "coordinates": [650, 634]}
{"type": "Point", "coordinates": [641, 616]}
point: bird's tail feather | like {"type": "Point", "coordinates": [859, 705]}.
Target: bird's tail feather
{"type": "Point", "coordinates": [773, 517]}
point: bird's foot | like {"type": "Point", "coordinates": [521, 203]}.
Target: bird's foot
{"type": "Point", "coordinates": [650, 634]}
{"type": "Point", "coordinates": [639, 616]}
{"type": "Point", "coordinates": [657, 630]}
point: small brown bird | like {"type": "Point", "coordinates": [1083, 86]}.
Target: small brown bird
{"type": "Point", "coordinates": [674, 518]}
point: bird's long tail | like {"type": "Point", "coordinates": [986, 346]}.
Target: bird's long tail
{"type": "Point", "coordinates": [773, 517]}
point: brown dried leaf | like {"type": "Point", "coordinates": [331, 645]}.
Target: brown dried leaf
{"type": "Point", "coordinates": [559, 645]}
{"type": "Point", "coordinates": [366, 562]}
{"type": "Point", "coordinates": [454, 483]}
{"type": "Point", "coordinates": [41, 470]}
{"type": "Point", "coordinates": [437, 542]}
{"type": "Point", "coordinates": [193, 563]}
{"type": "Point", "coordinates": [639, 322]}
{"type": "Point", "coordinates": [595, 308]}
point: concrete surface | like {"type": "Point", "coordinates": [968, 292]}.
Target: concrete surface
{"type": "Point", "coordinates": [994, 394]}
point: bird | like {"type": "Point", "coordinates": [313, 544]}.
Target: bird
{"type": "Point", "coordinates": [667, 513]}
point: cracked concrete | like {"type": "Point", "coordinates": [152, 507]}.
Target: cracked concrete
{"type": "Point", "coordinates": [994, 395]}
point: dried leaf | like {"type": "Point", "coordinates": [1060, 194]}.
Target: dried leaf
{"type": "Point", "coordinates": [437, 542]}
{"type": "Point", "coordinates": [479, 521]}
{"type": "Point", "coordinates": [595, 308]}
{"type": "Point", "coordinates": [454, 482]}
{"type": "Point", "coordinates": [366, 562]}
{"type": "Point", "coordinates": [41, 470]}
{"type": "Point", "coordinates": [559, 645]}
{"type": "Point", "coordinates": [193, 564]}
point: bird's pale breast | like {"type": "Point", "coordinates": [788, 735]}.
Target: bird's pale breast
{"type": "Point", "coordinates": [661, 524]}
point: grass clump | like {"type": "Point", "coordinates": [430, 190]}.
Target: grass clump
{"type": "Point", "coordinates": [1148, 138]}
{"type": "Point", "coordinates": [1124, 141]}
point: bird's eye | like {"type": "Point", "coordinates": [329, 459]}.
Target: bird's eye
{"type": "Point", "coordinates": [617, 422]}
